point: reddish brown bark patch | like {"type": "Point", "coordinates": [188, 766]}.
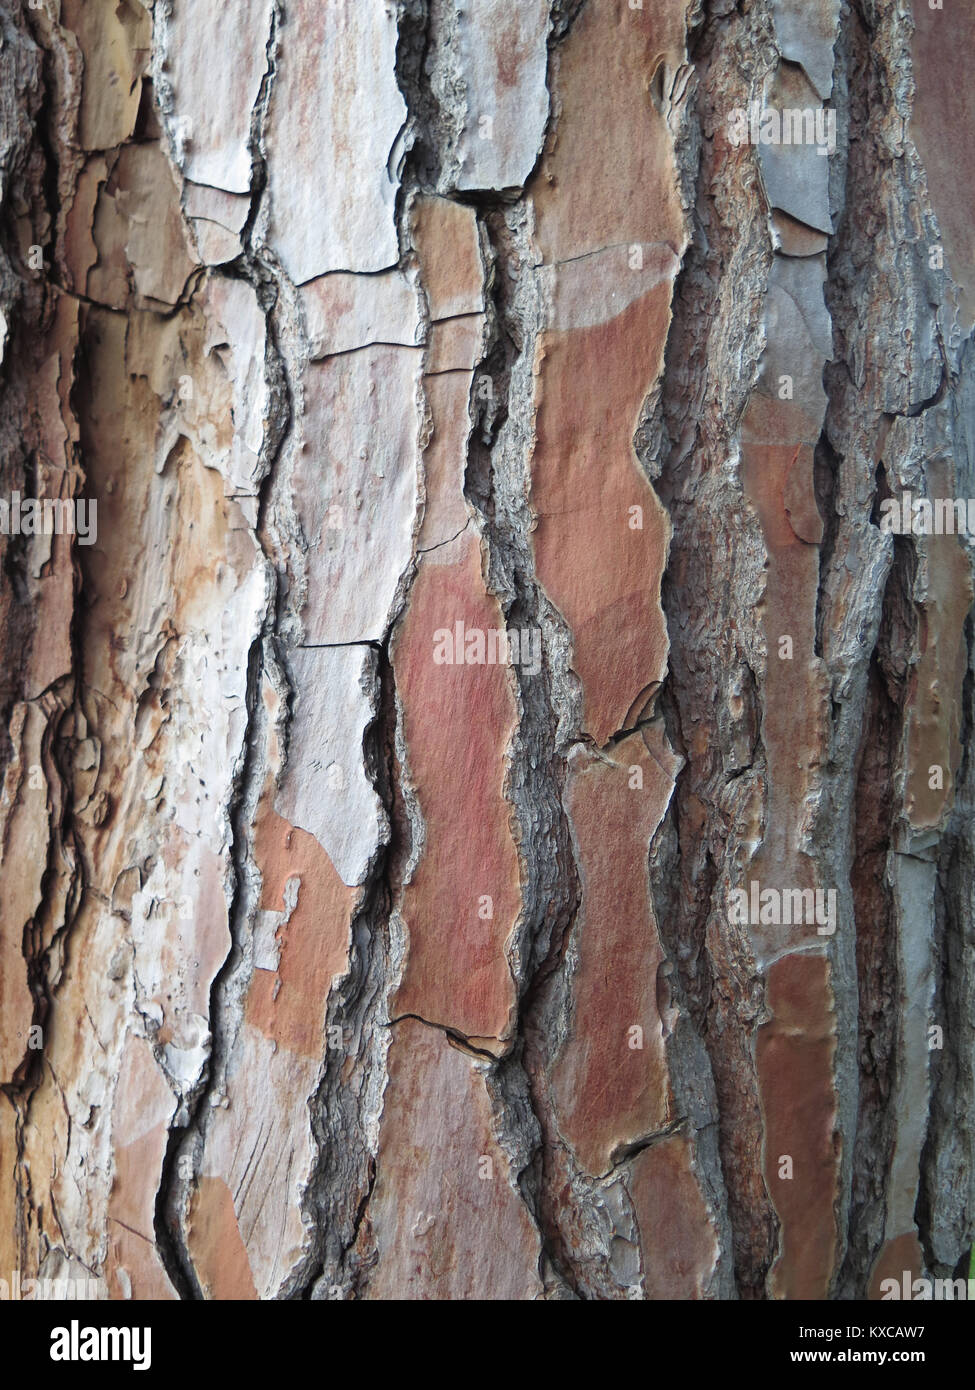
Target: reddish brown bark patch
{"type": "Point", "coordinates": [446, 239]}
{"type": "Point", "coordinates": [611, 1083]}
{"type": "Point", "coordinates": [900, 1256]}
{"type": "Point", "coordinates": [445, 1217]}
{"type": "Point", "coordinates": [794, 1059]}
{"type": "Point", "coordinates": [607, 175]}
{"type": "Point", "coordinates": [678, 1242]}
{"type": "Point", "coordinates": [933, 710]}
{"type": "Point", "coordinates": [599, 561]}
{"type": "Point", "coordinates": [9, 1241]}
{"type": "Point", "coordinates": [143, 1109]}
{"type": "Point", "coordinates": [458, 721]}
{"type": "Point", "coordinates": [778, 483]}
{"type": "Point", "coordinates": [445, 457]}
{"type": "Point", "coordinates": [942, 119]}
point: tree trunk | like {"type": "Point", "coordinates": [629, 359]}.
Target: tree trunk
{"type": "Point", "coordinates": [486, 793]}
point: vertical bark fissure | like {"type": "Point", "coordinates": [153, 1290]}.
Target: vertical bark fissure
{"type": "Point", "coordinates": [550, 889]}
{"type": "Point", "coordinates": [712, 352]}
{"type": "Point", "coordinates": [187, 1136]}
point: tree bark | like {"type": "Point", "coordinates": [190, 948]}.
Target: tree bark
{"type": "Point", "coordinates": [487, 800]}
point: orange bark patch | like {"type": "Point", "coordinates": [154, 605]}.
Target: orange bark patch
{"type": "Point", "coordinates": [288, 1005]}
{"type": "Point", "coordinates": [219, 1257]}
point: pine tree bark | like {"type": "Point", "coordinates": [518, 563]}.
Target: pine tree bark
{"type": "Point", "coordinates": [487, 801]}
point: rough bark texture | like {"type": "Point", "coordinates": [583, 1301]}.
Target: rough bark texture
{"type": "Point", "coordinates": [491, 602]}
